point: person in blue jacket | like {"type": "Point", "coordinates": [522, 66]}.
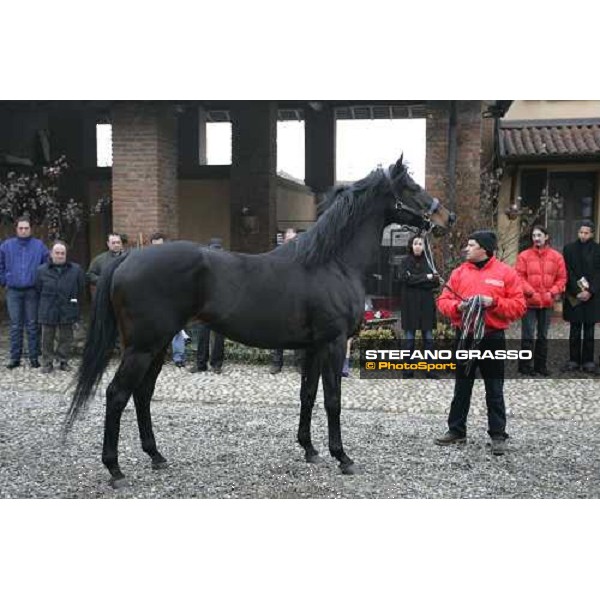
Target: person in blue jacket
{"type": "Point", "coordinates": [20, 257]}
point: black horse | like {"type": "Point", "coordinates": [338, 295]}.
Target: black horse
{"type": "Point", "coordinates": [305, 294]}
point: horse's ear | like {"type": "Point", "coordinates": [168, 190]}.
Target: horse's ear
{"type": "Point", "coordinates": [397, 168]}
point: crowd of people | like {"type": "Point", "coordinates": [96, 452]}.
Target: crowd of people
{"type": "Point", "coordinates": [44, 293]}
{"type": "Point", "coordinates": [43, 296]}
{"type": "Point", "coordinates": [482, 298]}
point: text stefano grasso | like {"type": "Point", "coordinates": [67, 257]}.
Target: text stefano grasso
{"type": "Point", "coordinates": [445, 355]}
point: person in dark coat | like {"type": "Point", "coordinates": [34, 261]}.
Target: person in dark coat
{"type": "Point", "coordinates": [114, 243]}
{"type": "Point", "coordinates": [417, 303]}
{"type": "Point", "coordinates": [59, 285]}
{"type": "Point", "coordinates": [277, 354]}
{"type": "Point", "coordinates": [181, 337]}
{"type": "Point", "coordinates": [216, 352]}
{"type": "Point", "coordinates": [581, 307]}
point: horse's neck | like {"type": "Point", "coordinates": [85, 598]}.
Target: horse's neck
{"type": "Point", "coordinates": [362, 249]}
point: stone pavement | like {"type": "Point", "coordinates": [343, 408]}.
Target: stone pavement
{"type": "Point", "coordinates": [233, 435]}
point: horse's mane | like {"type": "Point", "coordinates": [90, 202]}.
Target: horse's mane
{"type": "Point", "coordinates": [341, 213]}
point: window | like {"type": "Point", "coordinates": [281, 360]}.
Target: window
{"type": "Point", "coordinates": [218, 143]}
{"type": "Point", "coordinates": [290, 150]}
{"type": "Point", "coordinates": [570, 198]}
{"type": "Point", "coordinates": [362, 144]}
{"type": "Point", "coordinates": [104, 155]}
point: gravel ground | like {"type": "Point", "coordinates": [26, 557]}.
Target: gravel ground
{"type": "Point", "coordinates": [233, 436]}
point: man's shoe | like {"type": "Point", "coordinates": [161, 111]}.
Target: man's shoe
{"type": "Point", "coordinates": [275, 369]}
{"type": "Point", "coordinates": [346, 368]}
{"type": "Point", "coordinates": [34, 363]}
{"type": "Point", "coordinates": [179, 363]}
{"type": "Point", "coordinates": [197, 369]}
{"type": "Point", "coordinates": [450, 438]}
{"type": "Point", "coordinates": [64, 366]}
{"type": "Point", "coordinates": [13, 364]}
{"type": "Point", "coordinates": [47, 369]}
{"type": "Point", "coordinates": [527, 371]}
{"type": "Point", "coordinates": [216, 370]}
{"type": "Point", "coordinates": [498, 446]}
{"type": "Point", "coordinates": [590, 368]}
{"type": "Point", "coordinates": [571, 366]}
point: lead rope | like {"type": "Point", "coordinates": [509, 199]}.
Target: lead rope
{"type": "Point", "coordinates": [473, 328]}
{"type": "Point", "coordinates": [429, 254]}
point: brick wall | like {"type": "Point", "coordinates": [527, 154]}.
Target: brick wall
{"type": "Point", "coordinates": [144, 176]}
{"type": "Point", "coordinates": [436, 153]}
{"type": "Point", "coordinates": [468, 164]}
{"type": "Point", "coordinates": [468, 151]}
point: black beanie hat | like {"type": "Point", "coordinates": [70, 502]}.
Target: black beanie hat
{"type": "Point", "coordinates": [486, 239]}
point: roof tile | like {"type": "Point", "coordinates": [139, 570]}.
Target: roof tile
{"type": "Point", "coordinates": [571, 139]}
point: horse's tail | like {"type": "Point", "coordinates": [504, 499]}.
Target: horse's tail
{"type": "Point", "coordinates": [100, 342]}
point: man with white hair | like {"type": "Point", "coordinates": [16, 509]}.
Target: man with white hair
{"type": "Point", "coordinates": [59, 285]}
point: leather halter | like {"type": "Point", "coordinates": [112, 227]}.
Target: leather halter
{"type": "Point", "coordinates": [425, 215]}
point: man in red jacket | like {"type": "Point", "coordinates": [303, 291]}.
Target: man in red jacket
{"type": "Point", "coordinates": [481, 281]}
{"type": "Point", "coordinates": [544, 275]}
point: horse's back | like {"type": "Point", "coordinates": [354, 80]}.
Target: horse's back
{"type": "Point", "coordinates": [266, 300]}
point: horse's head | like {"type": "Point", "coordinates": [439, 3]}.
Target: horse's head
{"type": "Point", "coordinates": [412, 205]}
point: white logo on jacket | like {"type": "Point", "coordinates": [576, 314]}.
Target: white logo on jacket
{"type": "Point", "coordinates": [496, 282]}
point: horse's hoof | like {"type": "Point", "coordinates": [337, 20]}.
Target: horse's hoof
{"type": "Point", "coordinates": [119, 484]}
{"type": "Point", "coordinates": [161, 464]}
{"type": "Point", "coordinates": [349, 469]}
{"type": "Point", "coordinates": [314, 459]}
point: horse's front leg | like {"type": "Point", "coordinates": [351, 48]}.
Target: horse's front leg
{"type": "Point", "coordinates": [311, 370]}
{"type": "Point", "coordinates": [332, 389]}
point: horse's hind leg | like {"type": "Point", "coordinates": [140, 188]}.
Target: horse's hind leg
{"type": "Point", "coordinates": [332, 389]}
{"type": "Point", "coordinates": [142, 397]}
{"type": "Point", "coordinates": [308, 391]}
{"type": "Point", "coordinates": [129, 375]}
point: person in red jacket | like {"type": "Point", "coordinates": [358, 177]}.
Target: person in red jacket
{"type": "Point", "coordinates": [544, 275]}
{"type": "Point", "coordinates": [482, 282]}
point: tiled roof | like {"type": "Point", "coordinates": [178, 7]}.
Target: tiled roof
{"type": "Point", "coordinates": [565, 139]}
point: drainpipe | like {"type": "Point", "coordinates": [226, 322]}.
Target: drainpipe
{"type": "Point", "coordinates": [451, 171]}
{"type": "Point", "coordinates": [452, 151]}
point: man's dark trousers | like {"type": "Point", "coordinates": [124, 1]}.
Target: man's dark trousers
{"type": "Point", "coordinates": [216, 352]}
{"type": "Point", "coordinates": [492, 372]}
{"type": "Point", "coordinates": [539, 317]}
{"type": "Point", "coordinates": [63, 346]}
{"type": "Point", "coordinates": [581, 353]}
{"type": "Point", "coordinates": [22, 304]}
